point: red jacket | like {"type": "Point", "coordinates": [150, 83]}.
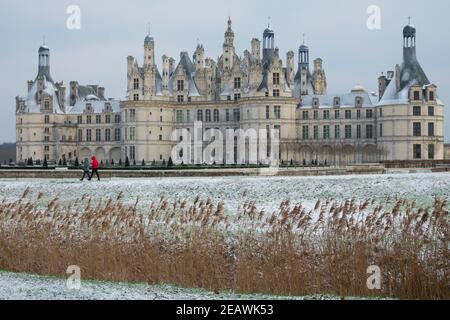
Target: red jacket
{"type": "Point", "coordinates": [94, 163]}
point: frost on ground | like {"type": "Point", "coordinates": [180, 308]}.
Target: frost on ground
{"type": "Point", "coordinates": [20, 286]}
{"type": "Point", "coordinates": [266, 192]}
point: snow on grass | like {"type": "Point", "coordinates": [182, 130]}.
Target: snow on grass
{"type": "Point", "coordinates": [266, 192]}
{"type": "Point", "coordinates": [21, 286]}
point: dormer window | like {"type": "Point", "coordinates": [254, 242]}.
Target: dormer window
{"type": "Point", "coordinates": [88, 108]}
{"type": "Point", "coordinates": [337, 102]}
{"type": "Point", "coordinates": [416, 95]}
{"type": "Point", "coordinates": [180, 85]}
{"type": "Point", "coordinates": [276, 78]}
{"type": "Point", "coordinates": [47, 105]}
{"type": "Point", "coordinates": [358, 102]}
{"type": "Point", "coordinates": [315, 102]}
{"type": "Point", "coordinates": [431, 96]}
{"type": "Point", "coordinates": [136, 84]}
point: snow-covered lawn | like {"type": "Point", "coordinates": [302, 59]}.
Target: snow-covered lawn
{"type": "Point", "coordinates": [20, 286]}
{"type": "Point", "coordinates": [267, 192]}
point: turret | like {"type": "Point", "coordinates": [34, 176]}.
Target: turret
{"type": "Point", "coordinates": [228, 48]}
{"type": "Point", "coordinates": [44, 63]}
{"type": "Point", "coordinates": [268, 43]}
{"type": "Point", "coordinates": [149, 67]}
{"type": "Point", "coordinates": [199, 57]}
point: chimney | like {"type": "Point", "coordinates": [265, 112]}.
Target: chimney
{"type": "Point", "coordinates": [30, 85]}
{"type": "Point", "coordinates": [101, 93]}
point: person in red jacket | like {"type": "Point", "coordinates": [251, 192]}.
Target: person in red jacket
{"type": "Point", "coordinates": [94, 166]}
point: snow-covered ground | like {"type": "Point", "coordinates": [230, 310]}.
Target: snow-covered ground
{"type": "Point", "coordinates": [19, 286]}
{"type": "Point", "coordinates": [267, 192]}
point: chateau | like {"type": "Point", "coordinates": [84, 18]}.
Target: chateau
{"type": "Point", "coordinates": [402, 121]}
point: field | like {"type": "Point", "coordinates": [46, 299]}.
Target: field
{"type": "Point", "coordinates": [294, 236]}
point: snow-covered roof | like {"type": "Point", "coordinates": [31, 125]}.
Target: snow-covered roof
{"type": "Point", "coordinates": [347, 100]}
{"type": "Point", "coordinates": [97, 106]}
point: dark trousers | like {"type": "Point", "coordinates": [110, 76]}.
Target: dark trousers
{"type": "Point", "coordinates": [92, 174]}
{"type": "Point", "coordinates": [85, 174]}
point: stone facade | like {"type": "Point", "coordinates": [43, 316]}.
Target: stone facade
{"type": "Point", "coordinates": [403, 121]}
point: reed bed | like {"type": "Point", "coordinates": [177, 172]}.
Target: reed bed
{"type": "Point", "coordinates": [195, 244]}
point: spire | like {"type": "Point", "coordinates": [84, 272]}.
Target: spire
{"type": "Point", "coordinates": [229, 34]}
{"type": "Point", "coordinates": [148, 38]}
{"type": "Point", "coordinates": [229, 24]}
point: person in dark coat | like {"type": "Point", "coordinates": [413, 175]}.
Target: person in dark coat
{"type": "Point", "coordinates": [94, 166]}
{"type": "Point", "coordinates": [86, 169]}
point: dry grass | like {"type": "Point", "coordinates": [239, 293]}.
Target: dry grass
{"type": "Point", "coordinates": [294, 251]}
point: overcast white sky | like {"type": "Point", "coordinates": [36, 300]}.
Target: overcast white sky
{"type": "Point", "coordinates": [111, 30]}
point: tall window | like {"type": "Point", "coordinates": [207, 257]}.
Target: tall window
{"type": "Point", "coordinates": [108, 118]}
{"type": "Point", "coordinates": [98, 135]}
{"type": "Point", "coordinates": [80, 119]}
{"type": "Point", "coordinates": [132, 152]}
{"type": "Point", "coordinates": [369, 114]}
{"type": "Point", "coordinates": [326, 114]}
{"type": "Point", "coordinates": [358, 131]}
{"type": "Point", "coordinates": [180, 85]}
{"type": "Point", "coordinates": [227, 115]}
{"type": "Point", "coordinates": [316, 132]}
{"type": "Point", "coordinates": [132, 133]}
{"type": "Point", "coordinates": [277, 112]}
{"type": "Point", "coordinates": [417, 149]}
{"type": "Point", "coordinates": [80, 135]}
{"type": "Point", "coordinates": [216, 115]}
{"type": "Point", "coordinates": [358, 114]}
{"type": "Point", "coordinates": [89, 119]}
{"type": "Point", "coordinates": [132, 115]}
{"type": "Point", "coordinates": [107, 135]}
{"type": "Point", "coordinates": [208, 115]}
{"type": "Point", "coordinates": [431, 129]}
{"type": "Point", "coordinates": [305, 115]}
{"type": "Point", "coordinates": [276, 92]}
{"type": "Point", "coordinates": [188, 115]}
{"type": "Point", "coordinates": [348, 131]}
{"type": "Point", "coordinates": [417, 129]}
{"type": "Point", "coordinates": [117, 134]}
{"type": "Point", "coordinates": [337, 114]}
{"type": "Point", "coordinates": [305, 132]}
{"type": "Point", "coordinates": [47, 105]}
{"type": "Point", "coordinates": [276, 78]}
{"type": "Point", "coordinates": [416, 95]}
{"type": "Point", "coordinates": [431, 151]}
{"type": "Point", "coordinates": [417, 111]}
{"type": "Point", "coordinates": [236, 115]}
{"type": "Point", "coordinates": [237, 96]}
{"type": "Point", "coordinates": [179, 116]}
{"type": "Point", "coordinates": [117, 118]}
{"type": "Point", "coordinates": [199, 115]}
{"type": "Point", "coordinates": [46, 119]}
{"type": "Point", "coordinates": [326, 132]}
{"type": "Point", "coordinates": [180, 98]}
{"type": "Point", "coordinates": [380, 133]}
{"type": "Point", "coordinates": [316, 115]}
{"type": "Point", "coordinates": [431, 111]}
{"type": "Point", "coordinates": [98, 119]}
{"type": "Point", "coordinates": [136, 97]}
{"type": "Point", "coordinates": [88, 135]}
{"type": "Point", "coordinates": [348, 114]}
{"type": "Point", "coordinates": [237, 83]}
{"type": "Point", "coordinates": [431, 95]}
{"type": "Point", "coordinates": [369, 131]}
{"type": "Point", "coordinates": [337, 131]}
{"type": "Point", "coordinates": [136, 84]}
{"type": "Point", "coordinates": [268, 112]}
